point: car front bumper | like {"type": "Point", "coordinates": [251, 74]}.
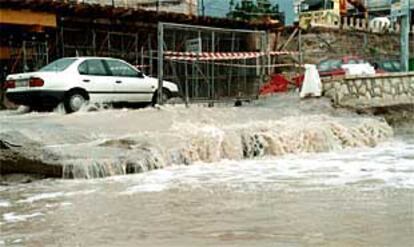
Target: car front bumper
{"type": "Point", "coordinates": [36, 98]}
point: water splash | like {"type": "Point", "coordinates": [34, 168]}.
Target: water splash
{"type": "Point", "coordinates": [116, 142]}
{"type": "Point", "coordinates": [191, 143]}
{"type": "Point", "coordinates": [88, 107]}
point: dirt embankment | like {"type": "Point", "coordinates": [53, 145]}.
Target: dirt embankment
{"type": "Point", "coordinates": [401, 118]}
{"type": "Point", "coordinates": [22, 155]}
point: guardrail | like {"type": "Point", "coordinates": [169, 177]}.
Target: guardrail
{"type": "Point", "coordinates": [331, 19]}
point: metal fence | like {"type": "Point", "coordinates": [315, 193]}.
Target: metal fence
{"type": "Point", "coordinates": [212, 64]}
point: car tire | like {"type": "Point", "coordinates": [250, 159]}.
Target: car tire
{"type": "Point", "coordinates": [165, 94]}
{"type": "Point", "coordinates": [74, 100]}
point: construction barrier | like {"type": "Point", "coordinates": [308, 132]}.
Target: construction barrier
{"type": "Point", "coordinates": [214, 56]}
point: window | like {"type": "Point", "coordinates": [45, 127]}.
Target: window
{"type": "Point", "coordinates": [388, 66]}
{"type": "Point", "coordinates": [397, 66]}
{"type": "Point", "coordinates": [119, 68]}
{"type": "Point", "coordinates": [356, 61]}
{"type": "Point", "coordinates": [92, 67]}
{"type": "Point", "coordinates": [58, 65]}
{"type": "Point", "coordinates": [330, 64]}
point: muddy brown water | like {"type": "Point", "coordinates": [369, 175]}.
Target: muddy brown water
{"type": "Point", "coordinates": [361, 196]}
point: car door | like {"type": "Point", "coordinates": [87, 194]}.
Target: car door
{"type": "Point", "coordinates": [96, 79]}
{"type": "Point", "coordinates": [130, 84]}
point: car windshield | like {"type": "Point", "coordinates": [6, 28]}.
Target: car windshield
{"type": "Point", "coordinates": [391, 66]}
{"type": "Point", "coordinates": [388, 66]}
{"type": "Point", "coordinates": [356, 61]}
{"type": "Point", "coordinates": [58, 65]}
{"type": "Point", "coordinates": [329, 65]}
{"type": "Point", "coordinates": [397, 66]}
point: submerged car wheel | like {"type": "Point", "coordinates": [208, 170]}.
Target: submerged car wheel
{"type": "Point", "coordinates": [74, 100]}
{"type": "Point", "coordinates": [166, 95]}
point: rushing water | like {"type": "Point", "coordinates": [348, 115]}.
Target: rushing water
{"type": "Point", "coordinates": [347, 198]}
{"type": "Point", "coordinates": [108, 143]}
{"type": "Point", "coordinates": [356, 191]}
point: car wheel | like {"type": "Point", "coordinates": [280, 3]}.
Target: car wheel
{"type": "Point", "coordinates": [166, 95]}
{"type": "Point", "coordinates": [74, 100]}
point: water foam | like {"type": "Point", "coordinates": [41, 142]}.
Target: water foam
{"type": "Point", "coordinates": [4, 204]}
{"type": "Point", "coordinates": [13, 217]}
{"type": "Point", "coordinates": [367, 168]}
{"type": "Point", "coordinates": [53, 195]}
{"type": "Point", "coordinates": [188, 143]}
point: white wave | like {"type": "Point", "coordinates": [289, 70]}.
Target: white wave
{"type": "Point", "coordinates": [13, 217]}
{"type": "Point", "coordinates": [4, 204]}
{"type": "Point", "coordinates": [42, 196]}
{"type": "Point", "coordinates": [367, 168]}
{"type": "Point", "coordinates": [53, 195]}
{"type": "Point", "coordinates": [145, 188]}
{"type": "Point", "coordinates": [111, 143]}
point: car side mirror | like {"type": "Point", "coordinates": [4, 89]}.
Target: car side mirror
{"type": "Point", "coordinates": [140, 75]}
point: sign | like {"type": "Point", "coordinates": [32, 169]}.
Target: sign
{"type": "Point", "coordinates": [194, 45]}
{"type": "Point", "coordinates": [399, 8]}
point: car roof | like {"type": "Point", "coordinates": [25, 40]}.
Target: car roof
{"type": "Point", "coordinates": [91, 57]}
{"type": "Point", "coordinates": [343, 58]}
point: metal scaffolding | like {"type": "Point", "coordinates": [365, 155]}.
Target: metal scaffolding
{"type": "Point", "coordinates": [134, 47]}
{"type": "Point", "coordinates": [212, 64]}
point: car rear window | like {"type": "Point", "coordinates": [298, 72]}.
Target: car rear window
{"type": "Point", "coordinates": [388, 66]}
{"type": "Point", "coordinates": [329, 65]}
{"type": "Point", "coordinates": [58, 65]}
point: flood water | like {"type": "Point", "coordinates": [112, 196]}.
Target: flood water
{"type": "Point", "coordinates": [350, 198]}
{"type": "Point", "coordinates": [360, 196]}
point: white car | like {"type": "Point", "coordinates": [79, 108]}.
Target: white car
{"type": "Point", "coordinates": [74, 81]}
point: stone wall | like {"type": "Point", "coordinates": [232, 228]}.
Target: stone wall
{"type": "Point", "coordinates": [321, 43]}
{"type": "Point", "coordinates": [371, 91]}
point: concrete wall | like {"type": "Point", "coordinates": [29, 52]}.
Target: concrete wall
{"type": "Point", "coordinates": [371, 91]}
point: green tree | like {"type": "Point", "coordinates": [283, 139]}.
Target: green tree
{"type": "Point", "coordinates": [253, 10]}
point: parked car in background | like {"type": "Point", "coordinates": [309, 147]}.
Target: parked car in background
{"type": "Point", "coordinates": [74, 81]}
{"type": "Point", "coordinates": [388, 66]}
{"type": "Point", "coordinates": [333, 67]}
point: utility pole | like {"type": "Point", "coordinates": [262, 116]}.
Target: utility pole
{"type": "Point", "coordinates": [160, 62]}
{"type": "Point", "coordinates": [158, 6]}
{"type": "Point", "coordinates": [405, 35]}
{"type": "Point", "coordinates": [300, 48]}
{"type": "Point", "coordinates": [202, 8]}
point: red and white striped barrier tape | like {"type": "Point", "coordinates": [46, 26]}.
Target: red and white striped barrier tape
{"type": "Point", "coordinates": [141, 66]}
{"type": "Point", "coordinates": [251, 66]}
{"type": "Point", "coordinates": [217, 58]}
{"type": "Point", "coordinates": [203, 56]}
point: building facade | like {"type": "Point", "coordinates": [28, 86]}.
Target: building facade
{"type": "Point", "coordinates": [188, 7]}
